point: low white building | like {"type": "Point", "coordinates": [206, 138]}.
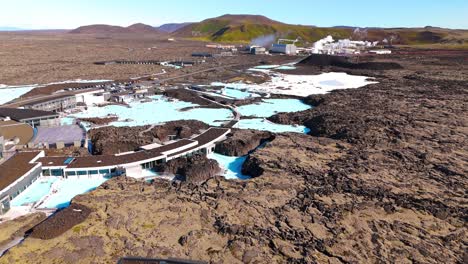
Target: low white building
{"type": "Point", "coordinates": [90, 98]}
{"type": "Point", "coordinates": [288, 49]}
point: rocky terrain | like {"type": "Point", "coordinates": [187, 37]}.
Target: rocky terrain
{"type": "Point", "coordinates": [100, 120]}
{"type": "Point", "coordinates": [381, 178]}
{"type": "Point", "coordinates": [12, 230]}
{"type": "Point", "coordinates": [195, 169]}
{"type": "Point", "coordinates": [112, 140]}
{"type": "Point", "coordinates": [242, 141]}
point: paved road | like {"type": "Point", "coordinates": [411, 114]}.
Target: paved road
{"type": "Point", "coordinates": [201, 71]}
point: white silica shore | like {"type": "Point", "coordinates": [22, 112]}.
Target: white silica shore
{"type": "Point", "coordinates": [304, 85]}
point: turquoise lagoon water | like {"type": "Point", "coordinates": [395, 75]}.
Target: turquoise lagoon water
{"type": "Point", "coordinates": [231, 165]}
{"type": "Point", "coordinates": [265, 67]}
{"type": "Point", "coordinates": [66, 121]}
{"type": "Point", "coordinates": [158, 111]}
{"type": "Point", "coordinates": [238, 94]}
{"type": "Point", "coordinates": [40, 188]}
{"type": "Point", "coordinates": [8, 93]}
{"type": "Point", "coordinates": [66, 189]}
{"type": "Point", "coordinates": [233, 90]}
{"type": "Point", "coordinates": [270, 107]}
{"type": "Point", "coordinates": [286, 67]}
{"type": "Point", "coordinates": [275, 67]}
{"type": "Point", "coordinates": [162, 110]}
{"type": "Point", "coordinates": [263, 124]}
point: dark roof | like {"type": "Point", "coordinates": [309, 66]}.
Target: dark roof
{"type": "Point", "coordinates": [115, 160]}
{"type": "Point", "coordinates": [49, 99]}
{"type": "Point", "coordinates": [210, 134]}
{"type": "Point", "coordinates": [15, 167]}
{"type": "Point", "coordinates": [21, 114]}
{"type": "Point", "coordinates": [174, 145]}
{"type": "Point", "coordinates": [207, 136]}
{"type": "Point", "coordinates": [52, 161]}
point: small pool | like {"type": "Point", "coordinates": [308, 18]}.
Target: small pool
{"type": "Point", "coordinates": [40, 188]}
{"type": "Point", "coordinates": [231, 165]}
{"type": "Point", "coordinates": [64, 190]}
{"type": "Point", "coordinates": [67, 121]}
{"type": "Point", "coordinates": [269, 107]}
{"type": "Point", "coordinates": [263, 124]}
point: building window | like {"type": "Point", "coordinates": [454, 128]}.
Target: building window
{"type": "Point", "coordinates": [93, 172]}
{"type": "Point", "coordinates": [71, 173]}
{"type": "Point", "coordinates": [56, 172]}
{"type": "Point", "coordinates": [104, 171]}
{"type": "Point", "coordinates": [46, 172]}
{"type": "Point", "coordinates": [81, 173]}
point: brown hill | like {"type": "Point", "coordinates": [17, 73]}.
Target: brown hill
{"type": "Point", "coordinates": [138, 28]}
{"type": "Point", "coordinates": [244, 28]}
{"type": "Point", "coordinates": [100, 29]}
{"type": "Point", "coordinates": [142, 28]}
{"type": "Point", "coordinates": [172, 27]}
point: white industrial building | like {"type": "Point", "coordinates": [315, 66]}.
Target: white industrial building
{"type": "Point", "coordinates": [329, 46]}
{"type": "Point", "coordinates": [288, 49]}
{"type": "Point", "coordinates": [90, 98]}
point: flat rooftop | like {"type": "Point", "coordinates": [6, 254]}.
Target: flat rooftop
{"type": "Point", "coordinates": [15, 167]}
{"type": "Point", "coordinates": [66, 134]}
{"type": "Point", "coordinates": [12, 129]}
{"type": "Point", "coordinates": [50, 99]}
{"type": "Point", "coordinates": [22, 114]}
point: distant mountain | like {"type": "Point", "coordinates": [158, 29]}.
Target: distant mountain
{"type": "Point", "coordinates": [11, 29]}
{"type": "Point", "coordinates": [172, 27]}
{"type": "Point", "coordinates": [245, 28]}
{"type": "Point", "coordinates": [138, 28]}
{"type": "Point", "coordinates": [142, 28]}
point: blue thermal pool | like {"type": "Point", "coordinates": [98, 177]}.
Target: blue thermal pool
{"type": "Point", "coordinates": [285, 67]}
{"type": "Point", "coordinates": [40, 188]}
{"type": "Point", "coordinates": [63, 190]}
{"type": "Point", "coordinates": [270, 107]}
{"type": "Point", "coordinates": [238, 94]}
{"type": "Point", "coordinates": [159, 110]}
{"type": "Point", "coordinates": [231, 165]}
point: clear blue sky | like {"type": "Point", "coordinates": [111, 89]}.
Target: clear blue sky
{"type": "Point", "coordinates": [39, 14]}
